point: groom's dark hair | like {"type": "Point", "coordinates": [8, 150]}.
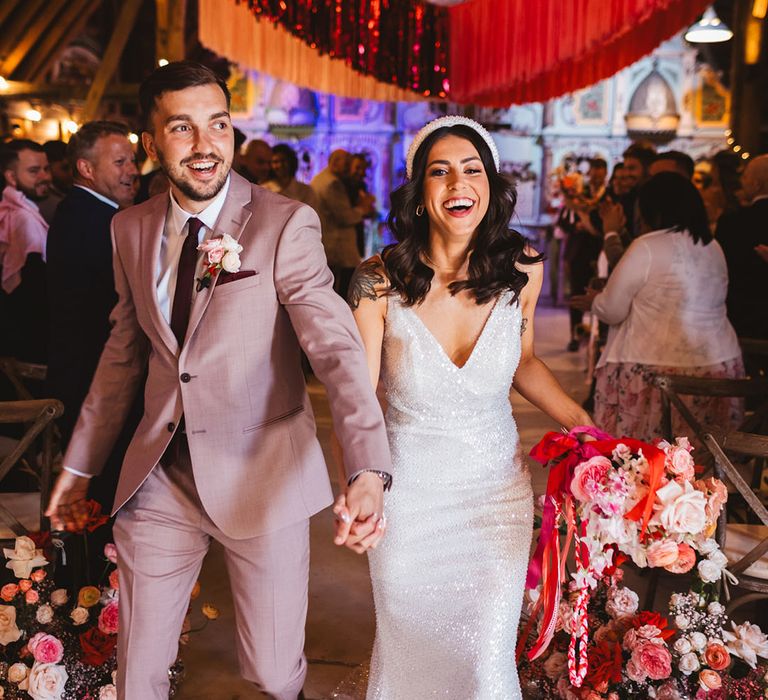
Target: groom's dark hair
{"type": "Point", "coordinates": [171, 77]}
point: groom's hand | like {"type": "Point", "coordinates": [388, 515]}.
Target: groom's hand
{"type": "Point", "coordinates": [67, 508]}
{"type": "Point", "coordinates": [360, 520]}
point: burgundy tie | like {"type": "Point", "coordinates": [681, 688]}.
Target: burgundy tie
{"type": "Point", "coordinates": [185, 280]}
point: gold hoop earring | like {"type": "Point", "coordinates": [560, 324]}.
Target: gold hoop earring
{"type": "Point", "coordinates": [419, 209]}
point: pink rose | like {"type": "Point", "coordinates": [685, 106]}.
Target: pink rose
{"type": "Point", "coordinates": [662, 553]}
{"type": "Point", "coordinates": [46, 648]}
{"type": "Point", "coordinates": [215, 249]}
{"type": "Point", "coordinates": [622, 602]}
{"type": "Point", "coordinates": [668, 691]}
{"type": "Point", "coordinates": [110, 552]}
{"type": "Point", "coordinates": [8, 592]}
{"type": "Point", "coordinates": [588, 476]}
{"type": "Point", "coordinates": [717, 657]}
{"type": "Point", "coordinates": [680, 463]}
{"type": "Point", "coordinates": [634, 671]}
{"type": "Point", "coordinates": [654, 659]}
{"type": "Point", "coordinates": [108, 618]}
{"type": "Point", "coordinates": [686, 559]}
{"type": "Point", "coordinates": [716, 493]}
{"type": "Point", "coordinates": [31, 596]}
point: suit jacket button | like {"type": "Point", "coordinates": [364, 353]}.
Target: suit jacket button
{"type": "Point", "coordinates": [171, 427]}
{"type": "Point", "coordinates": [185, 377]}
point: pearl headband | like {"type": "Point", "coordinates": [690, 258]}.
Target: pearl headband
{"type": "Point", "coordinates": [448, 121]}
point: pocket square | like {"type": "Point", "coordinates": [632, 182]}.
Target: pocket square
{"type": "Point", "coordinates": [227, 277]}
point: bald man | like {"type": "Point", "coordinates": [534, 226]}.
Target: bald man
{"type": "Point", "coordinates": [338, 218]}
{"type": "Point", "coordinates": [743, 235]}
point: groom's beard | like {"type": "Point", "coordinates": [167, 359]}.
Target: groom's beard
{"type": "Point", "coordinates": [180, 177]}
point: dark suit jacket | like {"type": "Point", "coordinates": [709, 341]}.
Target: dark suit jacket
{"type": "Point", "coordinates": [738, 233]}
{"type": "Point", "coordinates": [82, 294]}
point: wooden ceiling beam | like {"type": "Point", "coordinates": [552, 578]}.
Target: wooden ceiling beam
{"type": "Point", "coordinates": [125, 21]}
{"type": "Point", "coordinates": [17, 26]}
{"type": "Point", "coordinates": [30, 37]}
{"type": "Point", "coordinates": [67, 28]}
{"type": "Point", "coordinates": [66, 93]}
{"type": "Point", "coordinates": [6, 8]}
{"type": "Point", "coordinates": [170, 25]}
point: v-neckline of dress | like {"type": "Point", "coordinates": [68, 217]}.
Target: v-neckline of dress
{"type": "Point", "coordinates": [475, 347]}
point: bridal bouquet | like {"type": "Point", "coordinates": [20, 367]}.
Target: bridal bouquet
{"type": "Point", "coordinates": [618, 498]}
{"type": "Point", "coordinates": [57, 644]}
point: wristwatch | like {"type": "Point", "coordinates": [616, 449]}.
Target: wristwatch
{"type": "Point", "coordinates": [386, 477]}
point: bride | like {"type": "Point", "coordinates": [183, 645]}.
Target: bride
{"type": "Point", "coordinates": [446, 316]}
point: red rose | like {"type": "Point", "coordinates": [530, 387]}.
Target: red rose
{"type": "Point", "coordinates": [97, 647]}
{"type": "Point", "coordinates": [648, 617]}
{"type": "Point", "coordinates": [604, 664]}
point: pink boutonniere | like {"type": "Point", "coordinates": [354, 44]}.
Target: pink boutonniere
{"type": "Point", "coordinates": [221, 254]}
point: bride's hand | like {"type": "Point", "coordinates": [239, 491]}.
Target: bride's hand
{"type": "Point", "coordinates": [360, 524]}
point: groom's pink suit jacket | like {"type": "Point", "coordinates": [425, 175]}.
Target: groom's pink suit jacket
{"type": "Point", "coordinates": [237, 380]}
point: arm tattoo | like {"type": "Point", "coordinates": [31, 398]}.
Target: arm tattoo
{"type": "Point", "coordinates": [523, 326]}
{"type": "Point", "coordinates": [363, 283]}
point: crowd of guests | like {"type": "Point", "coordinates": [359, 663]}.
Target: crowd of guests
{"type": "Point", "coordinates": [672, 259]}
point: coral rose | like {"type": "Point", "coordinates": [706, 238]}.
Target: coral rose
{"type": "Point", "coordinates": [24, 585]}
{"type": "Point", "coordinates": [686, 559]}
{"type": "Point", "coordinates": [663, 553]}
{"type": "Point", "coordinates": [32, 596]}
{"type": "Point", "coordinates": [210, 611]}
{"type": "Point", "coordinates": [717, 657]}
{"type": "Point", "coordinates": [654, 659]}
{"type": "Point", "coordinates": [114, 580]}
{"type": "Point", "coordinates": [588, 476]}
{"type": "Point", "coordinates": [38, 575]}
{"type": "Point", "coordinates": [79, 615]}
{"type": "Point", "coordinates": [108, 618]}
{"type": "Point", "coordinates": [710, 680]}
{"type": "Point", "coordinates": [8, 592]}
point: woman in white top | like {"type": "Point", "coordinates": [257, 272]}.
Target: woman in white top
{"type": "Point", "coordinates": [665, 304]}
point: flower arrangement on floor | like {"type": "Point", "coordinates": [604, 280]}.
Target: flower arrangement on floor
{"type": "Point", "coordinates": [695, 653]}
{"type": "Point", "coordinates": [60, 646]}
{"type": "Point", "coordinates": [619, 499]}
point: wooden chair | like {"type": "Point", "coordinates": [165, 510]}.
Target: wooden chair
{"type": "Point", "coordinates": [21, 513]}
{"type": "Point", "coordinates": [745, 544]}
{"type": "Point", "coordinates": [18, 372]}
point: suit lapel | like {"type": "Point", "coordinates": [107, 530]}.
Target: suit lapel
{"type": "Point", "coordinates": [152, 227]}
{"type": "Point", "coordinates": [234, 216]}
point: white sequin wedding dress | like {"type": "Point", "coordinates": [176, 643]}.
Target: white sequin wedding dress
{"type": "Point", "coordinates": [448, 576]}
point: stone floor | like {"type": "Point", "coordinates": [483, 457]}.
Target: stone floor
{"type": "Point", "coordinates": [340, 625]}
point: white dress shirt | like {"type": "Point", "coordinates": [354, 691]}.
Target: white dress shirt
{"type": "Point", "coordinates": [665, 303]}
{"type": "Point", "coordinates": [176, 227]}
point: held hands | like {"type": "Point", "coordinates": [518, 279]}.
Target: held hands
{"type": "Point", "coordinates": [360, 523]}
{"type": "Point", "coordinates": [67, 508]}
{"type": "Point", "coordinates": [583, 302]}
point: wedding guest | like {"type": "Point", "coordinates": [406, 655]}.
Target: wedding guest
{"type": "Point", "coordinates": [665, 303]}
{"type": "Point", "coordinates": [61, 178]}
{"type": "Point", "coordinates": [23, 232]}
{"type": "Point", "coordinates": [339, 218]}
{"type": "Point", "coordinates": [256, 161]}
{"type": "Point", "coordinates": [741, 233]}
{"type": "Point", "coordinates": [357, 189]}
{"type": "Point", "coordinates": [724, 194]}
{"type": "Point", "coordinates": [285, 164]}
{"type": "Point", "coordinates": [672, 162]}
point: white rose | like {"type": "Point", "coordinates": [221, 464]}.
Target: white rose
{"type": "Point", "coordinates": [718, 559]}
{"type": "Point", "coordinates": [622, 602]}
{"type": "Point", "coordinates": [706, 546]}
{"type": "Point", "coordinates": [108, 692]}
{"type": "Point", "coordinates": [79, 615]}
{"type": "Point", "coordinates": [683, 509]}
{"type": "Point", "coordinates": [44, 614]}
{"type": "Point", "coordinates": [709, 571]}
{"type": "Point", "coordinates": [689, 663]}
{"type": "Point", "coordinates": [555, 665]}
{"type": "Point", "coordinates": [683, 646]}
{"type": "Point", "coordinates": [18, 673]}
{"type": "Point", "coordinates": [59, 597]}
{"type": "Point", "coordinates": [698, 640]}
{"type": "Point", "coordinates": [230, 244]}
{"type": "Point", "coordinates": [230, 262]}
{"type": "Point", "coordinates": [47, 681]}
{"type": "Point", "coordinates": [715, 608]}
{"type": "Point", "coordinates": [681, 622]}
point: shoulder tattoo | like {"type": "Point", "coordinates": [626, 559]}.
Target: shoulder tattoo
{"type": "Point", "coordinates": [364, 281]}
{"type": "Point", "coordinates": [523, 326]}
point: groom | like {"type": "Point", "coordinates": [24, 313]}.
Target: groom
{"type": "Point", "coordinates": [226, 448]}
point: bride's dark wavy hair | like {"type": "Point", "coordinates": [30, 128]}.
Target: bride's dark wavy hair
{"type": "Point", "coordinates": [495, 250]}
